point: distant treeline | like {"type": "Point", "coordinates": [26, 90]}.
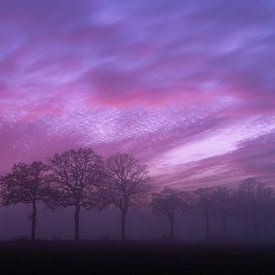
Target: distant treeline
{"type": "Point", "coordinates": [83, 179]}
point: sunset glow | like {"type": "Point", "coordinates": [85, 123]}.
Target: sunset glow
{"type": "Point", "coordinates": [188, 87]}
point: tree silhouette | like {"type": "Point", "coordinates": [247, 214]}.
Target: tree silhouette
{"type": "Point", "coordinates": [167, 202]}
{"type": "Point", "coordinates": [28, 184]}
{"type": "Point", "coordinates": [203, 205]}
{"type": "Point", "coordinates": [246, 200]}
{"type": "Point", "coordinates": [266, 207]}
{"type": "Point", "coordinates": [75, 178]}
{"type": "Point", "coordinates": [127, 185]}
{"type": "Point", "coordinates": [254, 202]}
{"type": "Point", "coordinates": [222, 205]}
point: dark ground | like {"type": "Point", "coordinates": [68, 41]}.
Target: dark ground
{"type": "Point", "coordinates": [134, 257]}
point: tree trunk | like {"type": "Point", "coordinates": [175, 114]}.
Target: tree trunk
{"type": "Point", "coordinates": [207, 226]}
{"type": "Point", "coordinates": [76, 222]}
{"type": "Point", "coordinates": [266, 223]}
{"type": "Point", "coordinates": [33, 221]}
{"type": "Point", "coordinates": [224, 225]}
{"type": "Point", "coordinates": [245, 228]}
{"type": "Point", "coordinates": [123, 225]}
{"type": "Point", "coordinates": [256, 228]}
{"type": "Point", "coordinates": [172, 227]}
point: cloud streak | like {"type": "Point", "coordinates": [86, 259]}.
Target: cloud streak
{"type": "Point", "coordinates": [174, 82]}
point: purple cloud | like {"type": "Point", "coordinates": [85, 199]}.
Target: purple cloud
{"type": "Point", "coordinates": [177, 83]}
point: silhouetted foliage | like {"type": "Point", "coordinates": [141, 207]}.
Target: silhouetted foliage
{"type": "Point", "coordinates": [127, 185]}
{"type": "Point", "coordinates": [28, 184]}
{"type": "Point", "coordinates": [76, 175]}
{"type": "Point", "coordinates": [167, 202]}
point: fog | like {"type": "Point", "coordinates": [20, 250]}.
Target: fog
{"type": "Point", "coordinates": [141, 224]}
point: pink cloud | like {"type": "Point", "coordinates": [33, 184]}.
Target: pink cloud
{"type": "Point", "coordinates": [141, 77]}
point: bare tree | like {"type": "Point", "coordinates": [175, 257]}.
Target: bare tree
{"type": "Point", "coordinates": [203, 205]}
{"type": "Point", "coordinates": [259, 203]}
{"type": "Point", "coordinates": [167, 202]}
{"type": "Point", "coordinates": [246, 200]}
{"type": "Point", "coordinates": [127, 185]}
{"type": "Point", "coordinates": [26, 183]}
{"type": "Point", "coordinates": [266, 203]}
{"type": "Point", "coordinates": [76, 175]}
{"type": "Point", "coordinates": [222, 205]}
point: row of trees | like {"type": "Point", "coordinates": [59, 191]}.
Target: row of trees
{"type": "Point", "coordinates": [82, 179]}
{"type": "Point", "coordinates": [251, 202]}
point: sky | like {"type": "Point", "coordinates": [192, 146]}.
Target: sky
{"type": "Point", "coordinates": [188, 87]}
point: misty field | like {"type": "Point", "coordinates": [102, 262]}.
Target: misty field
{"type": "Point", "coordinates": [135, 257]}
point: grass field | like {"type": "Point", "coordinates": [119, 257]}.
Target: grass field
{"type": "Point", "coordinates": [134, 257]}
